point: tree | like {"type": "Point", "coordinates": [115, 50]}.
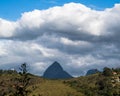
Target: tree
{"type": "Point", "coordinates": [22, 81]}
{"type": "Point", "coordinates": [107, 72]}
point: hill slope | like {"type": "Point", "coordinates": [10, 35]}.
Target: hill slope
{"type": "Point", "coordinates": [54, 88]}
{"type": "Point", "coordinates": [100, 84]}
{"type": "Point", "coordinates": [38, 86]}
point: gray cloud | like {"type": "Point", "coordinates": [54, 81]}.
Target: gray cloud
{"type": "Point", "coordinates": [78, 37]}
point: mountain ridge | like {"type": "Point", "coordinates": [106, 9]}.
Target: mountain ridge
{"type": "Point", "coordinates": [92, 71]}
{"type": "Point", "coordinates": [55, 71]}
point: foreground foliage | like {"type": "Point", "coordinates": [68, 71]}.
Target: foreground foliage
{"type": "Point", "coordinates": [105, 83]}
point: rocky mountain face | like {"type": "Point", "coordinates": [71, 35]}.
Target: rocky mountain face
{"type": "Point", "coordinates": [55, 71]}
{"type": "Point", "coordinates": [92, 71]}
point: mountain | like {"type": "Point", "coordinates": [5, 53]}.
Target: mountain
{"type": "Point", "coordinates": [92, 71]}
{"type": "Point", "coordinates": [55, 71]}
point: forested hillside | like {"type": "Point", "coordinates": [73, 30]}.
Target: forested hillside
{"type": "Point", "coordinates": [13, 83]}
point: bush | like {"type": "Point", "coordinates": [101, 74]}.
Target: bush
{"type": "Point", "coordinates": [107, 72]}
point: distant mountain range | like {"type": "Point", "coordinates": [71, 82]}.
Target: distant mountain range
{"type": "Point", "coordinates": [55, 71]}
{"type": "Point", "coordinates": [92, 71]}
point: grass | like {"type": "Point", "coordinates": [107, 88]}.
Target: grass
{"type": "Point", "coordinates": [39, 86]}
{"type": "Point", "coordinates": [81, 86]}
{"type": "Point", "coordinates": [53, 88]}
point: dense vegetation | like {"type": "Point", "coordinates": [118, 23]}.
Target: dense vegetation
{"type": "Point", "coordinates": [22, 83]}
{"type": "Point", "coordinates": [106, 83]}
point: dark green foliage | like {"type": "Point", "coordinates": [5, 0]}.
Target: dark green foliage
{"type": "Point", "coordinates": [99, 84]}
{"type": "Point", "coordinates": [107, 72]}
{"type": "Point", "coordinates": [22, 82]}
{"type": "Point", "coordinates": [116, 70]}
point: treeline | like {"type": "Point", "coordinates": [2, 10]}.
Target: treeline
{"type": "Point", "coordinates": [8, 71]}
{"type": "Point", "coordinates": [106, 83]}
{"type": "Point", "coordinates": [110, 72]}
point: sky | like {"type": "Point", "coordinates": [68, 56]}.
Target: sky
{"type": "Point", "coordinates": [79, 34]}
{"type": "Point", "coordinates": [12, 9]}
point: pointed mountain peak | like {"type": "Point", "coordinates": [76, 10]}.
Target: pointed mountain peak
{"type": "Point", "coordinates": [56, 65]}
{"type": "Point", "coordinates": [55, 71]}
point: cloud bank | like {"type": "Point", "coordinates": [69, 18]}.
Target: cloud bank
{"type": "Point", "coordinates": [78, 37]}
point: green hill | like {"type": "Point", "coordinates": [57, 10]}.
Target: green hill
{"type": "Point", "coordinates": [100, 84]}
{"type": "Point", "coordinates": [38, 86]}
{"type": "Point", "coordinates": [106, 83]}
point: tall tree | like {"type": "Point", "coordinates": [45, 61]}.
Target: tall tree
{"type": "Point", "coordinates": [22, 81]}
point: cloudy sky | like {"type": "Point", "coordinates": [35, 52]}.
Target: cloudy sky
{"type": "Point", "coordinates": [79, 34]}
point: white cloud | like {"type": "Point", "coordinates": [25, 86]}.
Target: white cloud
{"type": "Point", "coordinates": [74, 35]}
{"type": "Point", "coordinates": [67, 41]}
{"type": "Point", "coordinates": [6, 28]}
